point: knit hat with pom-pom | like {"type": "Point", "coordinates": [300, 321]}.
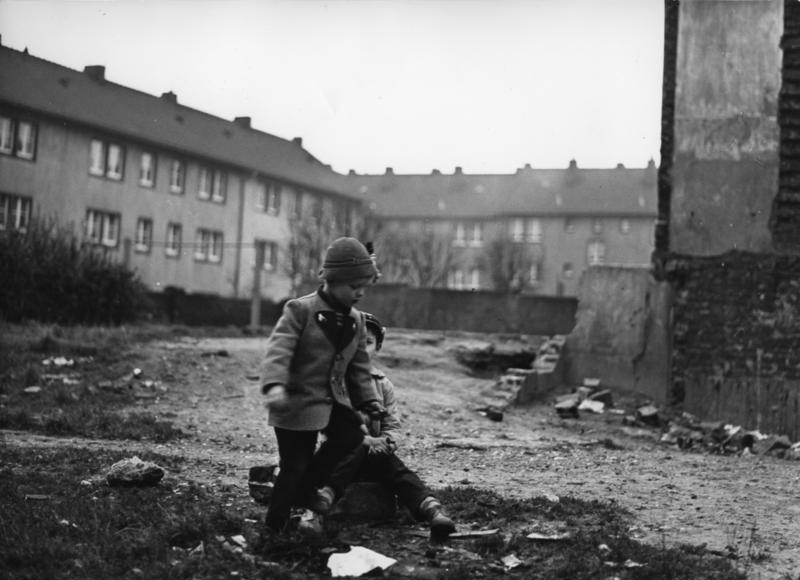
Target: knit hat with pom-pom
{"type": "Point", "coordinates": [347, 259]}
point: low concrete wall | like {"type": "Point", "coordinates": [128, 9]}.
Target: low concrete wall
{"type": "Point", "coordinates": [495, 312]}
{"type": "Point", "coordinates": [398, 306]}
{"type": "Point", "coordinates": [176, 307]}
{"type": "Point", "coordinates": [620, 334]}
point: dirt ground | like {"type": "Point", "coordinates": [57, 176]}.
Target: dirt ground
{"type": "Point", "coordinates": [748, 503]}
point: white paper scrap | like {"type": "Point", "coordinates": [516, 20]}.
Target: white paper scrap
{"type": "Point", "coordinates": [357, 561]}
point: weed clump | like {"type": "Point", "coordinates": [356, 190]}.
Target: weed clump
{"type": "Point", "coordinates": [50, 275]}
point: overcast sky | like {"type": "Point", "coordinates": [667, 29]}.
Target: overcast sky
{"type": "Point", "coordinates": [486, 85]}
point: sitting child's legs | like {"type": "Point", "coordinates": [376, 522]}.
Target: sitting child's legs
{"type": "Point", "coordinates": [338, 459]}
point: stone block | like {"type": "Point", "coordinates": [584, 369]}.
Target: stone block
{"type": "Point", "coordinates": [568, 408]}
{"type": "Point", "coordinates": [603, 396]}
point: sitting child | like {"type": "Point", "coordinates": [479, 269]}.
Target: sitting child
{"type": "Point", "coordinates": [376, 461]}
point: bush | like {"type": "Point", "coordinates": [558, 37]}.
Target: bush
{"type": "Point", "coordinates": [50, 275]}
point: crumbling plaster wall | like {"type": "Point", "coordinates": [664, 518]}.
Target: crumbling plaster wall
{"type": "Point", "coordinates": [725, 164]}
{"type": "Point", "coordinates": [621, 331]}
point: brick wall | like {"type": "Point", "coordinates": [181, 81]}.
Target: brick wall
{"type": "Point", "coordinates": [785, 218]}
{"type": "Point", "coordinates": [736, 338]}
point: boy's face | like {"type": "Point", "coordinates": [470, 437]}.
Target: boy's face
{"type": "Point", "coordinates": [371, 343]}
{"type": "Point", "coordinates": [348, 292]}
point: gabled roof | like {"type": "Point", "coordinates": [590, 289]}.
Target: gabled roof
{"type": "Point", "coordinates": [88, 99]}
{"type": "Point", "coordinates": [571, 191]}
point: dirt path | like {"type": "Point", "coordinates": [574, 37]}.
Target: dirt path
{"type": "Point", "coordinates": [677, 497]}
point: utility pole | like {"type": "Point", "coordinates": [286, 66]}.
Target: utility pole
{"type": "Point", "coordinates": [255, 304]}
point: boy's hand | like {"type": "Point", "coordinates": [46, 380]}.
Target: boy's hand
{"type": "Point", "coordinates": [276, 397]}
{"type": "Point", "coordinates": [374, 409]}
{"type": "Point", "coordinates": [377, 444]}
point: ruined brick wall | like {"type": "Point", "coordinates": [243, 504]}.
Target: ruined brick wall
{"type": "Point", "coordinates": [785, 218]}
{"type": "Point", "coordinates": [731, 188]}
{"type": "Point", "coordinates": [667, 125]}
{"type": "Point", "coordinates": [736, 333]}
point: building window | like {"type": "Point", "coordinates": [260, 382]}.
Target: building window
{"type": "Point", "coordinates": [173, 244]}
{"type": "Point", "coordinates": [270, 256]}
{"type": "Point", "coordinates": [518, 230]}
{"type": "Point", "coordinates": [208, 246]}
{"type": "Point", "coordinates": [204, 184]}
{"type": "Point", "coordinates": [219, 187]}
{"type": "Point", "coordinates": [177, 176]}
{"type": "Point", "coordinates": [534, 275]}
{"type": "Point", "coordinates": [476, 241]}
{"type": "Point", "coordinates": [17, 138]}
{"type": "Point", "coordinates": [106, 159]}
{"type": "Point", "coordinates": [15, 212]}
{"type": "Point", "coordinates": [534, 233]}
{"type": "Point", "coordinates": [596, 253]}
{"type": "Point", "coordinates": [469, 235]}
{"type": "Point", "coordinates": [6, 136]}
{"type": "Point", "coordinates": [567, 271]}
{"type": "Point", "coordinates": [462, 280]}
{"type": "Point", "coordinates": [597, 226]}
{"type": "Point", "coordinates": [457, 280]}
{"type": "Point", "coordinates": [569, 225]}
{"type": "Point", "coordinates": [213, 185]}
{"type": "Point", "coordinates": [461, 240]}
{"type": "Point", "coordinates": [625, 226]}
{"type": "Point", "coordinates": [102, 228]}
{"type": "Point", "coordinates": [147, 170]}
{"type": "Point", "coordinates": [268, 198]}
{"type": "Point", "coordinates": [475, 279]}
{"type": "Point", "coordinates": [144, 236]}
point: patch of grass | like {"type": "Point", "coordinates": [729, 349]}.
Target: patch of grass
{"type": "Point", "coordinates": [96, 531]}
{"type": "Point", "coordinates": [69, 401]}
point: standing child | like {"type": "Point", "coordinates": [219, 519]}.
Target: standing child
{"type": "Point", "coordinates": [375, 460]}
{"type": "Point", "coordinates": [315, 373]}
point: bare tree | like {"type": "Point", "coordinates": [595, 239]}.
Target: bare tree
{"type": "Point", "coordinates": [509, 263]}
{"type": "Point", "coordinates": [309, 237]}
{"type": "Point", "coordinates": [420, 258]}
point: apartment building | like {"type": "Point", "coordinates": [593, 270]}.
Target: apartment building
{"type": "Point", "coordinates": [533, 231]}
{"type": "Point", "coordinates": [193, 201]}
{"type": "Point", "coordinates": [185, 198]}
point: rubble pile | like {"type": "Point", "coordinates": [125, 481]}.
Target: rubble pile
{"type": "Point", "coordinates": [680, 429]}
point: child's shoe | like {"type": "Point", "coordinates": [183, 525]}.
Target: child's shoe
{"type": "Point", "coordinates": [323, 500]}
{"type": "Point", "coordinates": [441, 525]}
{"type": "Point", "coordinates": [309, 526]}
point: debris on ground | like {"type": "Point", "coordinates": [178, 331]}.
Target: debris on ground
{"type": "Point", "coordinates": [568, 407]}
{"type": "Point", "coordinates": [134, 472]}
{"type": "Point", "coordinates": [491, 412]}
{"type": "Point", "coordinates": [357, 562]}
{"type": "Point", "coordinates": [648, 415]}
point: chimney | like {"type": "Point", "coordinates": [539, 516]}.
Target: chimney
{"type": "Point", "coordinates": [572, 176]}
{"type": "Point", "coordinates": [298, 141]}
{"type": "Point", "coordinates": [458, 171]}
{"type": "Point", "coordinates": [96, 72]}
{"type": "Point", "coordinates": [170, 97]}
{"type": "Point", "coordinates": [243, 122]}
{"type": "Point", "coordinates": [389, 171]}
